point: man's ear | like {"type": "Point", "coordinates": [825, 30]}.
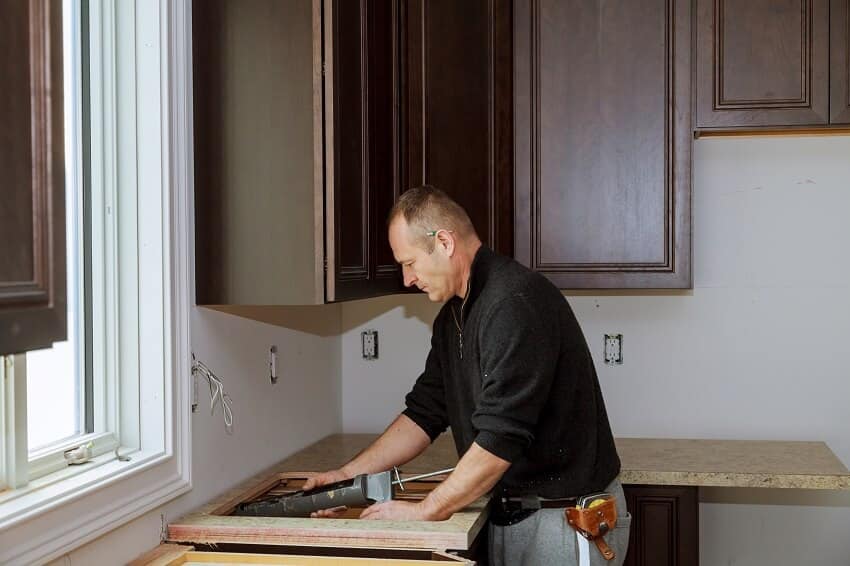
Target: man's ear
{"type": "Point", "coordinates": [446, 240]}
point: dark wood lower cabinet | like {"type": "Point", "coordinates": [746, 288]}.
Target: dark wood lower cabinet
{"type": "Point", "coordinates": [665, 525]}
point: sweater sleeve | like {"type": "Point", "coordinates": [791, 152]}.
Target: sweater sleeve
{"type": "Point", "coordinates": [426, 402]}
{"type": "Point", "coordinates": [519, 354]}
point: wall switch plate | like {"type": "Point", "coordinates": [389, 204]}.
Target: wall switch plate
{"type": "Point", "coordinates": [273, 364]}
{"type": "Point", "coordinates": [369, 344]}
{"type": "Point", "coordinates": [613, 349]}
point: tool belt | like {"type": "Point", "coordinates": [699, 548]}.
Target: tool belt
{"type": "Point", "coordinates": [593, 517]}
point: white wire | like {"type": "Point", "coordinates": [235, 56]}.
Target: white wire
{"type": "Point", "coordinates": [217, 394]}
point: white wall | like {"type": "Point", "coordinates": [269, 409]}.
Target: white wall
{"type": "Point", "coordinates": [268, 419]}
{"type": "Point", "coordinates": [754, 351]}
{"type": "Point", "coordinates": [758, 349]}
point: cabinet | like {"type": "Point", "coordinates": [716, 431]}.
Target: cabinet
{"type": "Point", "coordinates": [603, 142]}
{"type": "Point", "coordinates": [32, 161]}
{"type": "Point", "coordinates": [296, 149]}
{"type": "Point", "coordinates": [665, 525]}
{"type": "Point", "coordinates": [180, 554]}
{"type": "Point", "coordinates": [774, 63]}
{"type": "Point", "coordinates": [215, 524]}
{"type": "Point", "coordinates": [259, 126]}
{"type": "Point", "coordinates": [312, 117]}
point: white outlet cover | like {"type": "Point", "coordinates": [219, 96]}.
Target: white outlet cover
{"type": "Point", "coordinates": [613, 352]}
{"type": "Point", "coordinates": [369, 344]}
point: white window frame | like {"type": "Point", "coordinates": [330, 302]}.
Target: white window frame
{"type": "Point", "coordinates": [105, 436]}
{"type": "Point", "coordinates": [141, 130]}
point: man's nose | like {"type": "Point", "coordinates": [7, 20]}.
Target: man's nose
{"type": "Point", "coordinates": [409, 277]}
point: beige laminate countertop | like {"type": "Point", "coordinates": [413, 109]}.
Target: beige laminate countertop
{"type": "Point", "coordinates": [721, 463]}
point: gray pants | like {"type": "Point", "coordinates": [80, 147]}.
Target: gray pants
{"type": "Point", "coordinates": [545, 538]}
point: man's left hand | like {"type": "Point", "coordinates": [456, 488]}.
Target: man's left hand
{"type": "Point", "coordinates": [397, 511]}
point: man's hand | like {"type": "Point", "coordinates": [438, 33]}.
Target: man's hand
{"type": "Point", "coordinates": [397, 511]}
{"type": "Point", "coordinates": [324, 479]}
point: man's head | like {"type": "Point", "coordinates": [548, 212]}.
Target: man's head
{"type": "Point", "coordinates": [434, 241]}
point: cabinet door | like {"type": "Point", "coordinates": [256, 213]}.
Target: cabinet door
{"type": "Point", "coordinates": [458, 110]}
{"type": "Point", "coordinates": [762, 63]}
{"type": "Point", "coordinates": [365, 157]}
{"type": "Point", "coordinates": [665, 525]}
{"type": "Point", "coordinates": [839, 107]}
{"type": "Point", "coordinates": [603, 142]}
{"type": "Point", "coordinates": [32, 206]}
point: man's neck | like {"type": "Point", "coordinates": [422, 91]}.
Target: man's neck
{"type": "Point", "coordinates": [466, 271]}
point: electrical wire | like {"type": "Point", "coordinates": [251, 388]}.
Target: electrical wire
{"type": "Point", "coordinates": [217, 394]}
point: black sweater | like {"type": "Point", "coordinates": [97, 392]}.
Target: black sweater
{"type": "Point", "coordinates": [518, 380]}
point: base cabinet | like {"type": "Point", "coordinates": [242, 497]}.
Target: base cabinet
{"type": "Point", "coordinates": [174, 554]}
{"type": "Point", "coordinates": [665, 525]}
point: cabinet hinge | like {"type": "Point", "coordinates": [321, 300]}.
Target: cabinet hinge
{"type": "Point", "coordinates": [324, 68]}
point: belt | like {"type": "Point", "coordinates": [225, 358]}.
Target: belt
{"type": "Point", "coordinates": [536, 502]}
{"type": "Point", "coordinates": [509, 510]}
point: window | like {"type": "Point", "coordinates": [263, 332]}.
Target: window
{"type": "Point", "coordinates": [120, 380]}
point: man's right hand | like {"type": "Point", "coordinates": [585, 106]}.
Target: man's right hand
{"type": "Point", "coordinates": [326, 478]}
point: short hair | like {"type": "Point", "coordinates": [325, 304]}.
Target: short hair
{"type": "Point", "coordinates": [427, 208]}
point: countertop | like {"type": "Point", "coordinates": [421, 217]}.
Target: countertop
{"type": "Point", "coordinates": [721, 463]}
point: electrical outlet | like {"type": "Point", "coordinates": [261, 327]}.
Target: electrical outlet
{"type": "Point", "coordinates": [369, 344]}
{"type": "Point", "coordinates": [613, 349]}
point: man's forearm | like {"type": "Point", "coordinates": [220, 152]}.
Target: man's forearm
{"type": "Point", "coordinates": [476, 474]}
{"type": "Point", "coordinates": [401, 442]}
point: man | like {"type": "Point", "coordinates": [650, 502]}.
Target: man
{"type": "Point", "coordinates": [509, 370]}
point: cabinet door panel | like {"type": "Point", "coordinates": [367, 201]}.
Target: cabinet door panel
{"type": "Point", "coordinates": [32, 207]}
{"type": "Point", "coordinates": [603, 142]}
{"type": "Point", "coordinates": [365, 133]}
{"type": "Point", "coordinates": [458, 108]}
{"type": "Point", "coordinates": [665, 526]}
{"type": "Point", "coordinates": [762, 63]}
{"type": "Point", "coordinates": [839, 107]}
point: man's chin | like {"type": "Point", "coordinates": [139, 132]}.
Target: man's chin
{"type": "Point", "coordinates": [433, 297]}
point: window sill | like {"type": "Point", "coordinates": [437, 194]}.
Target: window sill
{"type": "Point", "coordinates": [51, 490]}
{"type": "Point", "coordinates": [60, 511]}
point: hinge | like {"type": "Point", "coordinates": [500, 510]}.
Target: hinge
{"type": "Point", "coordinates": [324, 68]}
{"type": "Point", "coordinates": [325, 261]}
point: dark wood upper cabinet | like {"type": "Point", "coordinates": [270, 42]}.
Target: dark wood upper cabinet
{"type": "Point", "coordinates": [764, 63]}
{"type": "Point", "coordinates": [296, 150]}
{"type": "Point", "coordinates": [32, 206]}
{"type": "Point", "coordinates": [457, 107]}
{"type": "Point", "coordinates": [839, 77]}
{"type": "Point", "coordinates": [603, 142]}
{"type": "Point", "coordinates": [312, 116]}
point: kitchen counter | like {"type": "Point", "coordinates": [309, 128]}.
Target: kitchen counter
{"type": "Point", "coordinates": [731, 463]}
{"type": "Point", "coordinates": [722, 463]}
{"type": "Point", "coordinates": [669, 469]}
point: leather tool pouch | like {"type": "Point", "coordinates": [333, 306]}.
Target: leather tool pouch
{"type": "Point", "coordinates": [594, 522]}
